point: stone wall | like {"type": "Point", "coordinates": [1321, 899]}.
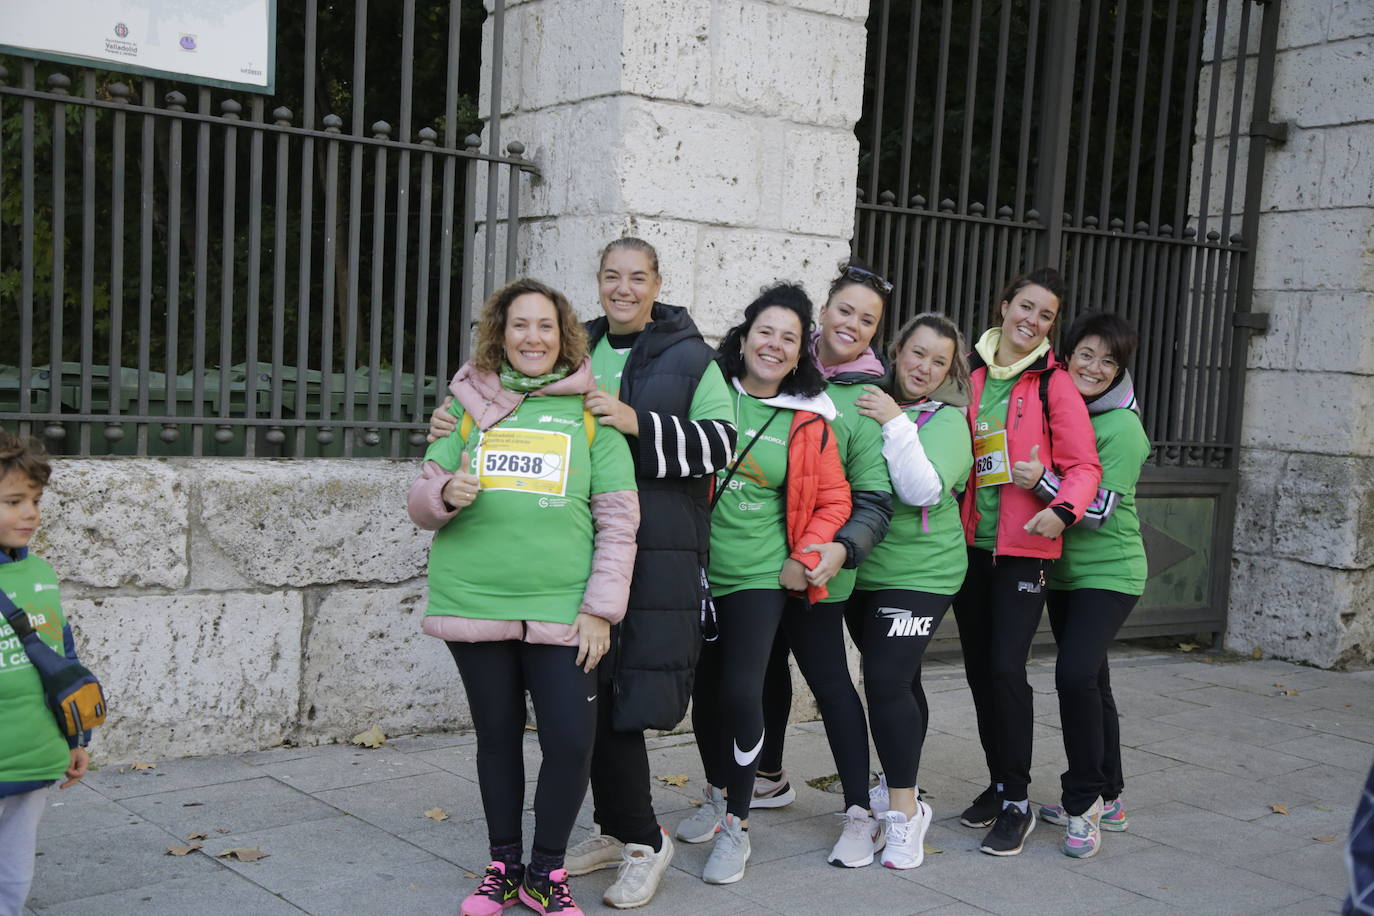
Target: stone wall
{"type": "Point", "coordinates": [720, 130]}
{"type": "Point", "coordinates": [230, 605]}
{"type": "Point", "coordinates": [1303, 568]}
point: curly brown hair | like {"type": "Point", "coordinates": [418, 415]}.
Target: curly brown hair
{"type": "Point", "coordinates": [490, 349]}
{"type": "Point", "coordinates": [25, 455]}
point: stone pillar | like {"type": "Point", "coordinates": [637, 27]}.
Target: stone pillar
{"type": "Point", "coordinates": [720, 130]}
{"type": "Point", "coordinates": [1303, 569]}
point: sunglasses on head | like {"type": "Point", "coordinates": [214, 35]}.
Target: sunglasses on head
{"type": "Point", "coordinates": [868, 278]}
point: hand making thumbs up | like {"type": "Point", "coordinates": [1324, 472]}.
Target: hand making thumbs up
{"type": "Point", "coordinates": [1026, 474]}
{"type": "Point", "coordinates": [462, 487]}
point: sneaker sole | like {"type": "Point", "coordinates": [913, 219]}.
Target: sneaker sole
{"type": "Point", "coordinates": [840, 863]}
{"type": "Point", "coordinates": [699, 839]}
{"type": "Point", "coordinates": [1081, 855]}
{"type": "Point", "coordinates": [588, 869]}
{"type": "Point", "coordinates": [976, 824]}
{"type": "Point", "coordinates": [630, 906]}
{"type": "Point", "coordinates": [1011, 852]}
{"type": "Point", "coordinates": [774, 801]}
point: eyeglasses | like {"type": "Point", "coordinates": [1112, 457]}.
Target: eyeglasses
{"type": "Point", "coordinates": [868, 278]}
{"type": "Point", "coordinates": [1105, 363]}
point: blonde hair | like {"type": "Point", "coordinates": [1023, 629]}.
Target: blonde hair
{"type": "Point", "coordinates": [490, 349]}
{"type": "Point", "coordinates": [940, 324]}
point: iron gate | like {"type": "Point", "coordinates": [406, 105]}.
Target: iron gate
{"type": "Point", "coordinates": [196, 271]}
{"type": "Point", "coordinates": [1123, 142]}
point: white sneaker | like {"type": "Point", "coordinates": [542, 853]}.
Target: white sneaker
{"type": "Point", "coordinates": [772, 793]}
{"type": "Point", "coordinates": [728, 857]}
{"type": "Point", "coordinates": [595, 852]}
{"type": "Point", "coordinates": [906, 837]}
{"type": "Point", "coordinates": [863, 835]}
{"type": "Point", "coordinates": [640, 871]}
{"type": "Point", "coordinates": [878, 797]}
{"type": "Point", "coordinates": [702, 824]}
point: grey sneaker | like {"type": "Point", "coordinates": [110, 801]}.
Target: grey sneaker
{"type": "Point", "coordinates": [595, 852]}
{"type": "Point", "coordinates": [702, 824]}
{"type": "Point", "coordinates": [728, 857]}
{"type": "Point", "coordinates": [640, 871]}
{"type": "Point", "coordinates": [862, 836]}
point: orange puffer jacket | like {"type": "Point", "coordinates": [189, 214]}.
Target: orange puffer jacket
{"type": "Point", "coordinates": [818, 500]}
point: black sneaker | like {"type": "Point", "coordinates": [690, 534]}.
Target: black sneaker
{"type": "Point", "coordinates": [1008, 835]}
{"type": "Point", "coordinates": [984, 809]}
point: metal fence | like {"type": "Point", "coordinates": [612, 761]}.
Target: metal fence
{"type": "Point", "coordinates": [1124, 142]}
{"type": "Point", "coordinates": [188, 271]}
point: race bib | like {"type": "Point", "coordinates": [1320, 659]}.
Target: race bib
{"type": "Point", "coordinates": [990, 467]}
{"type": "Point", "coordinates": [525, 460]}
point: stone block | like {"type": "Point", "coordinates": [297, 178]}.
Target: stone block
{"type": "Point", "coordinates": [1292, 172]}
{"type": "Point", "coordinates": [567, 50]}
{"type": "Point", "coordinates": [691, 163]}
{"type": "Point", "coordinates": [1305, 23]}
{"type": "Point", "coordinates": [367, 663]}
{"type": "Point", "coordinates": [305, 523]}
{"type": "Point", "coordinates": [665, 50]}
{"type": "Point", "coordinates": [1337, 333]}
{"type": "Point", "coordinates": [113, 522]}
{"type": "Point", "coordinates": [1314, 249]}
{"type": "Point", "coordinates": [1260, 473]}
{"type": "Point", "coordinates": [818, 180]}
{"type": "Point", "coordinates": [1300, 24]}
{"type": "Point", "coordinates": [1321, 412]}
{"type": "Point", "coordinates": [1349, 19]}
{"type": "Point", "coordinates": [511, 57]}
{"type": "Point", "coordinates": [1324, 513]}
{"type": "Point", "coordinates": [733, 264]}
{"type": "Point", "coordinates": [1300, 612]}
{"type": "Point", "coordinates": [192, 674]}
{"type": "Point", "coordinates": [781, 62]}
{"type": "Point", "coordinates": [576, 150]}
{"type": "Point", "coordinates": [1347, 178]}
{"type": "Point", "coordinates": [1274, 349]}
{"type": "Point", "coordinates": [856, 10]}
{"type": "Point", "coordinates": [1314, 86]}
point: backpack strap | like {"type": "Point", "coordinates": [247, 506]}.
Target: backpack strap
{"type": "Point", "coordinates": [1045, 405]}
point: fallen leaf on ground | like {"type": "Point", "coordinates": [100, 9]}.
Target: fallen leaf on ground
{"type": "Point", "coordinates": [139, 765]}
{"type": "Point", "coordinates": [530, 728]}
{"type": "Point", "coordinates": [821, 783]}
{"type": "Point", "coordinates": [674, 779]}
{"type": "Point", "coordinates": [1289, 693]}
{"type": "Point", "coordinates": [197, 836]}
{"type": "Point", "coordinates": [1324, 839]}
{"type": "Point", "coordinates": [1188, 646]}
{"type": "Point", "coordinates": [373, 737]}
{"type": "Point", "coordinates": [183, 850]}
{"type": "Point", "coordinates": [931, 850]}
{"type": "Point", "coordinates": [437, 814]}
{"type": "Point", "coordinates": [1279, 809]}
{"type": "Point", "coordinates": [220, 830]}
{"type": "Point", "coordinates": [243, 854]}
{"type": "Point", "coordinates": [1321, 807]}
{"type": "Point", "coordinates": [1256, 654]}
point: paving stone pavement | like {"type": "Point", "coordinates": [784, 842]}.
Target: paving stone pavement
{"type": "Point", "coordinates": [1215, 752]}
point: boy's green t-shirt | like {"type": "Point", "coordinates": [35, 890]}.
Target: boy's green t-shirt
{"type": "Point", "coordinates": [523, 549]}
{"type": "Point", "coordinates": [924, 549]}
{"type": "Point", "coordinates": [748, 526]}
{"type": "Point", "coordinates": [32, 748]}
{"type": "Point", "coordinates": [1112, 556]}
{"type": "Point", "coordinates": [991, 457]}
{"type": "Point", "coordinates": [710, 400]}
{"type": "Point", "coordinates": [860, 443]}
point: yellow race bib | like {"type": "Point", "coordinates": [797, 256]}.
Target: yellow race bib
{"type": "Point", "coordinates": [990, 465]}
{"type": "Point", "coordinates": [525, 460]}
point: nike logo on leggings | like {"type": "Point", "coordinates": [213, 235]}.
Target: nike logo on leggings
{"type": "Point", "coordinates": [744, 759]}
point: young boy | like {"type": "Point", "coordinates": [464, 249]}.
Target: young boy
{"type": "Point", "coordinates": [33, 751]}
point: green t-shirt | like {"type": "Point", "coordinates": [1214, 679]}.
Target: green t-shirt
{"type": "Point", "coordinates": [924, 549]}
{"type": "Point", "coordinates": [710, 400]}
{"type": "Point", "coordinates": [749, 524]}
{"type": "Point", "coordinates": [1113, 556]}
{"type": "Point", "coordinates": [991, 427]}
{"type": "Point", "coordinates": [523, 549]}
{"type": "Point", "coordinates": [860, 443]}
{"type": "Point", "coordinates": [31, 746]}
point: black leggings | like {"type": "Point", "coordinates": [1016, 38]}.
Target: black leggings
{"type": "Point", "coordinates": [894, 627]}
{"type": "Point", "coordinates": [998, 609]}
{"type": "Point", "coordinates": [623, 802]}
{"type": "Point", "coordinates": [727, 700]}
{"type": "Point", "coordinates": [496, 676]}
{"type": "Point", "coordinates": [1085, 621]}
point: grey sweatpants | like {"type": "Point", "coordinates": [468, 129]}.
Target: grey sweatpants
{"type": "Point", "coordinates": [19, 816]}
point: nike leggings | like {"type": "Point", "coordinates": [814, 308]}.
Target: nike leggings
{"type": "Point", "coordinates": [727, 699]}
{"type": "Point", "coordinates": [496, 676]}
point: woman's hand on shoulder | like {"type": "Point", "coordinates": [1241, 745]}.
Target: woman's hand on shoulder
{"type": "Point", "coordinates": [611, 411]}
{"type": "Point", "coordinates": [878, 404]}
{"type": "Point", "coordinates": [793, 576]}
{"type": "Point", "coordinates": [441, 423]}
{"type": "Point", "coordinates": [593, 639]}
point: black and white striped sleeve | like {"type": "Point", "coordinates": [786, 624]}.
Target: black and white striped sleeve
{"type": "Point", "coordinates": [673, 446]}
{"type": "Point", "coordinates": [1103, 505]}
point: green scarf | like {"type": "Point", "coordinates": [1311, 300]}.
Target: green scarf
{"type": "Point", "coordinates": [987, 348]}
{"type": "Point", "coordinates": [513, 380]}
